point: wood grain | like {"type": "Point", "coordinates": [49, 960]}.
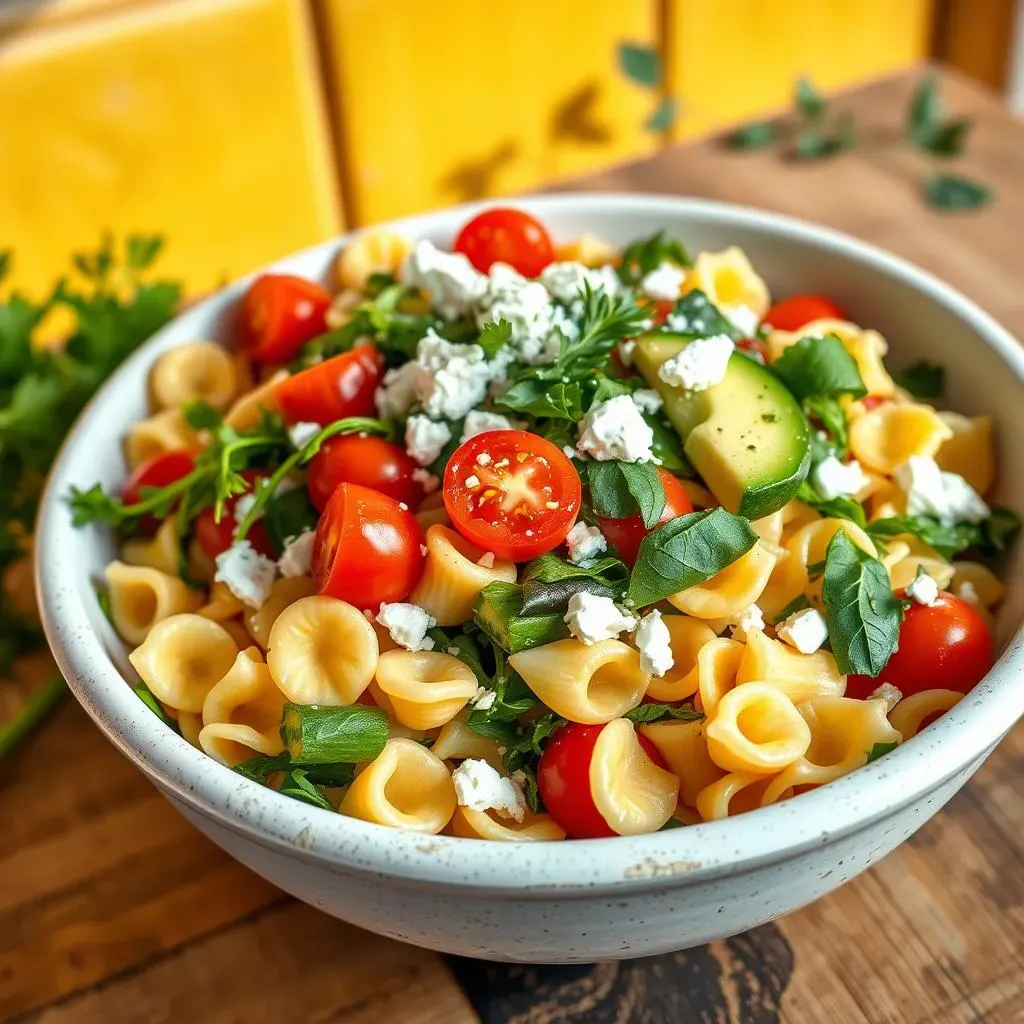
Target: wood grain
{"type": "Point", "coordinates": [112, 909]}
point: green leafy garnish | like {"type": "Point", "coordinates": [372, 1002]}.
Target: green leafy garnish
{"type": "Point", "coordinates": [289, 514]}
{"type": "Point", "coordinates": [947, 540]}
{"type": "Point", "coordinates": [201, 415]}
{"type": "Point", "coordinates": [922, 380]}
{"type": "Point", "coordinates": [955, 192]}
{"type": "Point", "coordinates": [639, 258]}
{"type": "Point", "coordinates": [863, 614]}
{"type": "Point", "coordinates": [878, 749]}
{"type": "Point", "coordinates": [819, 366]}
{"type": "Point", "coordinates": [297, 785]}
{"type": "Point", "coordinates": [755, 135]}
{"type": "Point", "coordinates": [494, 336]}
{"type": "Point", "coordinates": [640, 63]}
{"type": "Point", "coordinates": [333, 735]}
{"type": "Point", "coordinates": [835, 508]}
{"type": "Point", "coordinates": [330, 775]}
{"type": "Point", "coordinates": [622, 489]}
{"type": "Point", "coordinates": [664, 115]}
{"type": "Point", "coordinates": [696, 316]}
{"type": "Point", "coordinates": [927, 126]}
{"type": "Point", "coordinates": [827, 410]}
{"type": "Point", "coordinates": [646, 713]}
{"type": "Point", "coordinates": [809, 102]}
{"type": "Point", "coordinates": [146, 695]}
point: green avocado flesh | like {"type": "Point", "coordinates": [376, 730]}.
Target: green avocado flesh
{"type": "Point", "coordinates": [747, 437]}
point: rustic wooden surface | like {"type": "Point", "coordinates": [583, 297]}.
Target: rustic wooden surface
{"type": "Point", "coordinates": [113, 909]}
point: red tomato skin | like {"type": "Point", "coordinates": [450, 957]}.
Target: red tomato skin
{"type": "Point", "coordinates": [563, 779]}
{"type": "Point", "coordinates": [796, 311]}
{"type": "Point", "coordinates": [505, 235]}
{"type": "Point", "coordinates": [159, 471]}
{"type": "Point", "coordinates": [872, 402]}
{"type": "Point", "coordinates": [366, 549]}
{"type": "Point", "coordinates": [334, 389]}
{"type": "Point", "coordinates": [754, 347]}
{"type": "Point", "coordinates": [215, 538]}
{"type": "Point", "coordinates": [552, 526]}
{"type": "Point", "coordinates": [279, 314]}
{"type": "Point", "coordinates": [946, 646]}
{"type": "Point", "coordinates": [626, 534]}
{"type": "Point", "coordinates": [369, 461]}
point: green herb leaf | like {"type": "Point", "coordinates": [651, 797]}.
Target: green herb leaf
{"type": "Point", "coordinates": [640, 63]}
{"type": "Point", "coordinates": [835, 508]}
{"type": "Point", "coordinates": [639, 258]}
{"type": "Point", "coordinates": [296, 784]}
{"type": "Point", "coordinates": [494, 336]}
{"type": "Point", "coordinates": [922, 380]}
{"type": "Point", "coordinates": [863, 614]}
{"type": "Point", "coordinates": [808, 100]}
{"type": "Point", "coordinates": [829, 413]}
{"type": "Point", "coordinates": [756, 135]}
{"type": "Point", "coordinates": [819, 366]}
{"type": "Point", "coordinates": [540, 398]}
{"type": "Point", "coordinates": [797, 604]}
{"type": "Point", "coordinates": [201, 415]}
{"type": "Point", "coordinates": [671, 824]}
{"type": "Point", "coordinates": [955, 192]}
{"type": "Point", "coordinates": [878, 749]}
{"type": "Point", "coordinates": [646, 713]}
{"type": "Point", "coordinates": [926, 111]}
{"type": "Point", "coordinates": [1000, 530]}
{"type": "Point", "coordinates": [696, 316]}
{"type": "Point", "coordinates": [552, 569]}
{"type": "Point", "coordinates": [289, 514]}
{"type": "Point", "coordinates": [664, 115]}
{"type": "Point", "coordinates": [146, 695]}
{"type": "Point", "coordinates": [622, 489]}
{"type": "Point", "coordinates": [331, 775]}
{"type": "Point", "coordinates": [813, 143]}
{"type": "Point", "coordinates": [947, 540]}
{"type": "Point", "coordinates": [685, 552]}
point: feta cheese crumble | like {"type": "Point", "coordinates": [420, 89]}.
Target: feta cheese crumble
{"type": "Point", "coordinates": [478, 422]}
{"type": "Point", "coordinates": [451, 281]}
{"type": "Point", "coordinates": [647, 400]}
{"type": "Point", "coordinates": [924, 590]}
{"type": "Point", "coordinates": [246, 573]}
{"type": "Point", "coordinates": [805, 630]}
{"type": "Point", "coordinates": [616, 430]}
{"type": "Point", "coordinates": [483, 698]}
{"type": "Point", "coordinates": [408, 625]}
{"type": "Point", "coordinates": [626, 350]}
{"type": "Point", "coordinates": [584, 542]}
{"type": "Point", "coordinates": [451, 379]}
{"type": "Point", "coordinates": [699, 366]}
{"type": "Point", "coordinates": [300, 434]}
{"type": "Point", "coordinates": [968, 592]}
{"type": "Point", "coordinates": [297, 557]}
{"type": "Point", "coordinates": [750, 620]}
{"type": "Point", "coordinates": [525, 305]}
{"type": "Point", "coordinates": [835, 479]}
{"type": "Point", "coordinates": [425, 439]}
{"type": "Point", "coordinates": [594, 617]}
{"type": "Point", "coordinates": [397, 393]}
{"type": "Point", "coordinates": [664, 283]}
{"type": "Point", "coordinates": [480, 788]}
{"type": "Point", "coordinates": [654, 642]}
{"type": "Point", "coordinates": [947, 497]}
{"type": "Point", "coordinates": [426, 480]}
{"type": "Point", "coordinates": [565, 280]}
{"type": "Point", "coordinates": [743, 318]}
{"type": "Point", "coordinates": [890, 694]}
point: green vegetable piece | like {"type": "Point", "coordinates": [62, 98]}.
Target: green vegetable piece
{"type": "Point", "coordinates": [499, 612]}
{"type": "Point", "coordinates": [819, 366]}
{"type": "Point", "coordinates": [333, 735]}
{"type": "Point", "coordinates": [639, 258]}
{"type": "Point", "coordinates": [878, 749]}
{"type": "Point", "coordinates": [809, 102]}
{"type": "Point", "coordinates": [646, 713]}
{"type": "Point", "coordinates": [664, 115]}
{"type": "Point", "coordinates": [640, 63]}
{"type": "Point", "coordinates": [955, 192]}
{"type": "Point", "coordinates": [146, 695]}
{"type": "Point", "coordinates": [755, 135]}
{"type": "Point", "coordinates": [922, 380]}
{"type": "Point", "coordinates": [288, 515]}
{"type": "Point", "coordinates": [297, 785]}
{"type": "Point", "coordinates": [201, 415]}
{"type": "Point", "coordinates": [622, 489]}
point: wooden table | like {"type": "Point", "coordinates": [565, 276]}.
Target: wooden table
{"type": "Point", "coordinates": [113, 909]}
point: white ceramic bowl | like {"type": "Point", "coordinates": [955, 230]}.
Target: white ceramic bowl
{"type": "Point", "coordinates": [574, 901]}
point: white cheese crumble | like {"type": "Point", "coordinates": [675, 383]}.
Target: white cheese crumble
{"type": "Point", "coordinates": [968, 592]}
{"type": "Point", "coordinates": [483, 698]}
{"type": "Point", "coordinates": [743, 318]}
{"type": "Point", "coordinates": [526, 305]}
{"type": "Point", "coordinates": [451, 281]}
{"type": "Point", "coordinates": [699, 366]}
{"type": "Point", "coordinates": [616, 430]}
{"type": "Point", "coordinates": [246, 573]}
{"type": "Point", "coordinates": [594, 617]}
{"type": "Point", "coordinates": [626, 350]}
{"type": "Point", "coordinates": [424, 439]}
{"type": "Point", "coordinates": [478, 422]}
{"type": "Point", "coordinates": [924, 590]}
{"type": "Point", "coordinates": [426, 480]}
{"type": "Point", "coordinates": [647, 400]}
{"type": "Point", "coordinates": [664, 283]}
{"type": "Point", "coordinates": [750, 620]}
{"type": "Point", "coordinates": [565, 280]}
{"type": "Point", "coordinates": [297, 557]}
{"type": "Point", "coordinates": [890, 694]}
{"type": "Point", "coordinates": [300, 434]}
{"type": "Point", "coordinates": [931, 492]}
{"type": "Point", "coordinates": [397, 393]}
{"type": "Point", "coordinates": [451, 379]}
{"type": "Point", "coordinates": [486, 560]}
{"type": "Point", "coordinates": [584, 542]}
{"type": "Point", "coordinates": [480, 788]}
{"type": "Point", "coordinates": [835, 479]}
{"type": "Point", "coordinates": [805, 630]}
{"type": "Point", "coordinates": [654, 643]}
{"type": "Point", "coordinates": [408, 625]}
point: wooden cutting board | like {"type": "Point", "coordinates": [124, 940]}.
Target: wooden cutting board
{"type": "Point", "coordinates": [113, 909]}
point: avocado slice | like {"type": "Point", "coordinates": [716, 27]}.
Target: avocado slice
{"type": "Point", "coordinates": [747, 437]}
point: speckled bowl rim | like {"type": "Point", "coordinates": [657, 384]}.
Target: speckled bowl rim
{"type": "Point", "coordinates": [522, 870]}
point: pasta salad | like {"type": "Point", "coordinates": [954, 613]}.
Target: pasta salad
{"type": "Point", "coordinates": [526, 541]}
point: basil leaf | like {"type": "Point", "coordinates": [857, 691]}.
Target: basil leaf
{"type": "Point", "coordinates": [494, 336]}
{"type": "Point", "coordinates": [288, 515]}
{"type": "Point", "coordinates": [462, 646]}
{"type": "Point", "coordinates": [922, 380]}
{"type": "Point", "coordinates": [1000, 530]}
{"type": "Point", "coordinates": [296, 785]}
{"type": "Point", "coordinates": [668, 447]}
{"type": "Point", "coordinates": [685, 552]}
{"type": "Point", "coordinates": [878, 749]}
{"type": "Point", "coordinates": [756, 135]}
{"type": "Point", "coordinates": [544, 399]}
{"type": "Point", "coordinates": [797, 604]}
{"type": "Point", "coordinates": [622, 489]}
{"type": "Point", "coordinates": [955, 192]}
{"type": "Point", "coordinates": [830, 413]}
{"type": "Point", "coordinates": [671, 824]}
{"type": "Point", "coordinates": [645, 713]}
{"type": "Point", "coordinates": [201, 415]}
{"type": "Point", "coordinates": [696, 316]}
{"type": "Point", "coordinates": [863, 614]}
{"type": "Point", "coordinates": [819, 366]}
{"type": "Point", "coordinates": [835, 508]}
{"type": "Point", "coordinates": [258, 768]}
{"type": "Point", "coordinates": [639, 258]}
{"type": "Point", "coordinates": [947, 540]}
{"type": "Point", "coordinates": [543, 599]}
{"type": "Point", "coordinates": [551, 569]}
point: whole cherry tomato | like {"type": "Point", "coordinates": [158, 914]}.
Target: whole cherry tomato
{"type": "Point", "coordinates": [512, 492]}
{"type": "Point", "coordinates": [279, 314]}
{"type": "Point", "coordinates": [945, 646]}
{"type": "Point", "coordinates": [792, 313]}
{"type": "Point", "coordinates": [215, 537]}
{"type": "Point", "coordinates": [159, 471]}
{"type": "Point", "coordinates": [338, 387]}
{"type": "Point", "coordinates": [366, 549]}
{"type": "Point", "coordinates": [370, 461]}
{"type": "Point", "coordinates": [563, 778]}
{"type": "Point", "coordinates": [626, 534]}
{"type": "Point", "coordinates": [504, 235]}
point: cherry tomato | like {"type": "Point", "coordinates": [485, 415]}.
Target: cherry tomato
{"type": "Point", "coordinates": [945, 646]}
{"type": "Point", "coordinates": [338, 387]}
{"type": "Point", "coordinates": [504, 235]}
{"type": "Point", "coordinates": [626, 534]}
{"type": "Point", "coordinates": [794, 312]}
{"type": "Point", "coordinates": [279, 314]}
{"type": "Point", "coordinates": [872, 402]}
{"type": "Point", "coordinates": [512, 492]}
{"type": "Point", "coordinates": [159, 471]}
{"type": "Point", "coordinates": [216, 537]}
{"type": "Point", "coordinates": [370, 461]}
{"type": "Point", "coordinates": [755, 348]}
{"type": "Point", "coordinates": [563, 778]}
{"type": "Point", "coordinates": [661, 309]}
{"type": "Point", "coordinates": [367, 548]}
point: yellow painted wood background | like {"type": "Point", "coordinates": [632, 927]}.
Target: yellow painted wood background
{"type": "Point", "coordinates": [241, 128]}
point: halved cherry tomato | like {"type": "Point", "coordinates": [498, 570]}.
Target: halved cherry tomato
{"type": "Point", "coordinates": [366, 549]}
{"type": "Point", "coordinates": [279, 314]}
{"type": "Point", "coordinates": [945, 646]}
{"type": "Point", "coordinates": [504, 235]}
{"type": "Point", "coordinates": [563, 778]}
{"type": "Point", "coordinates": [512, 492]}
{"type": "Point", "coordinates": [792, 313]}
{"type": "Point", "coordinates": [370, 461]}
{"type": "Point", "coordinates": [626, 534]}
{"type": "Point", "coordinates": [338, 387]}
{"type": "Point", "coordinates": [214, 537]}
{"type": "Point", "coordinates": [661, 309]}
{"type": "Point", "coordinates": [755, 348]}
{"type": "Point", "coordinates": [159, 471]}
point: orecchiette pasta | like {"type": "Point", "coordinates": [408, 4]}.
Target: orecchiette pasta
{"type": "Point", "coordinates": [425, 689]}
{"type": "Point", "coordinates": [729, 281]}
{"type": "Point", "coordinates": [487, 825]}
{"type": "Point", "coordinates": [798, 676]}
{"type": "Point", "coordinates": [377, 251]}
{"type": "Point", "coordinates": [969, 451]}
{"type": "Point", "coordinates": [686, 639]}
{"type": "Point", "coordinates": [166, 431]}
{"type": "Point", "coordinates": [141, 597]}
{"type": "Point", "coordinates": [684, 747]}
{"type": "Point", "coordinates": [456, 741]}
{"type": "Point", "coordinates": [886, 437]}
{"type": "Point", "coordinates": [160, 552]}
{"type": "Point", "coordinates": [715, 672]}
{"type": "Point", "coordinates": [221, 604]}
{"type": "Point", "coordinates": [284, 592]}
{"type": "Point", "coordinates": [247, 408]}
{"type": "Point", "coordinates": [200, 371]}
{"type": "Point", "coordinates": [736, 587]}
{"type": "Point", "coordinates": [432, 512]}
{"type": "Point", "coordinates": [735, 793]}
{"type": "Point", "coordinates": [589, 250]}
{"type": "Point", "coordinates": [910, 714]}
